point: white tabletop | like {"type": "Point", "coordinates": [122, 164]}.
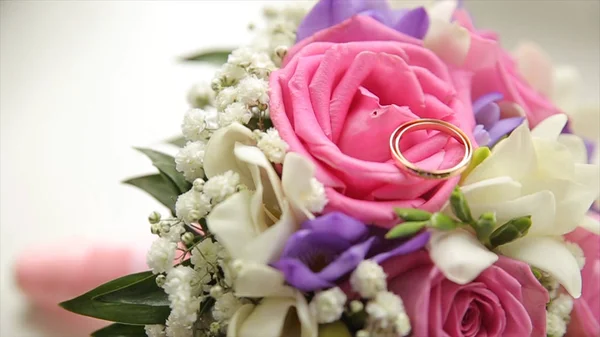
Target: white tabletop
{"type": "Point", "coordinates": [83, 81]}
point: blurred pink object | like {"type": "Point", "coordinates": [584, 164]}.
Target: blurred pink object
{"type": "Point", "coordinates": [585, 318]}
{"type": "Point", "coordinates": [52, 274]}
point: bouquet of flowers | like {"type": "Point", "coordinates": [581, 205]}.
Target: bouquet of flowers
{"type": "Point", "coordinates": [366, 170]}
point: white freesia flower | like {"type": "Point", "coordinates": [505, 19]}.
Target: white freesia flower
{"type": "Point", "coordinates": [254, 224]}
{"type": "Point", "coordinates": [529, 173]}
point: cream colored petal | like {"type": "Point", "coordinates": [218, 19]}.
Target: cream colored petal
{"type": "Point", "coordinates": [513, 157]}
{"type": "Point", "coordinates": [219, 156]}
{"type": "Point", "coordinates": [585, 121]}
{"type": "Point", "coordinates": [576, 147]}
{"type": "Point", "coordinates": [554, 160]}
{"type": "Point", "coordinates": [449, 41]}
{"type": "Point", "coordinates": [238, 319]}
{"type": "Point", "coordinates": [230, 222]}
{"type": "Point", "coordinates": [550, 127]}
{"type": "Point", "coordinates": [567, 85]}
{"type": "Point", "coordinates": [442, 10]}
{"type": "Point", "coordinates": [258, 280]}
{"type": "Point", "coordinates": [535, 66]}
{"type": "Point", "coordinates": [297, 174]}
{"type": "Point", "coordinates": [550, 255]}
{"type": "Point", "coordinates": [270, 319]}
{"type": "Point", "coordinates": [459, 255]}
{"type": "Point", "coordinates": [591, 224]}
{"type": "Point", "coordinates": [492, 190]}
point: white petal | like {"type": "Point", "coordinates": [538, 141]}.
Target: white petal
{"type": "Point", "coordinates": [550, 255]}
{"type": "Point", "coordinates": [459, 255]}
{"type": "Point", "coordinates": [493, 190]}
{"type": "Point", "coordinates": [259, 280]}
{"type": "Point", "coordinates": [219, 157]}
{"type": "Point", "coordinates": [550, 127]}
{"type": "Point", "coordinates": [585, 122]}
{"type": "Point", "coordinates": [238, 319]}
{"type": "Point", "coordinates": [442, 10]}
{"type": "Point", "coordinates": [230, 221]}
{"type": "Point", "coordinates": [576, 147]}
{"type": "Point", "coordinates": [449, 41]}
{"type": "Point", "coordinates": [297, 174]}
{"type": "Point", "coordinates": [513, 157]}
{"type": "Point", "coordinates": [535, 66]}
{"type": "Point", "coordinates": [567, 85]}
{"type": "Point", "coordinates": [591, 224]}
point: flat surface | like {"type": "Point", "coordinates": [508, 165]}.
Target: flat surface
{"type": "Point", "coordinates": [83, 81]}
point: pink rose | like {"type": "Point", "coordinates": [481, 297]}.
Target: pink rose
{"type": "Point", "coordinates": [340, 95]}
{"type": "Point", "coordinates": [504, 78]}
{"type": "Point", "coordinates": [504, 300]}
{"type": "Point", "coordinates": [585, 317]}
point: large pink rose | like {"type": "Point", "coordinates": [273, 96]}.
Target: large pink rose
{"type": "Point", "coordinates": [340, 95]}
{"type": "Point", "coordinates": [585, 318]}
{"type": "Point", "coordinates": [504, 78]}
{"type": "Point", "coordinates": [505, 300]}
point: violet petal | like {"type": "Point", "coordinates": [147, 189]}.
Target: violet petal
{"type": "Point", "coordinates": [502, 128]}
{"type": "Point", "coordinates": [338, 223]}
{"type": "Point", "coordinates": [306, 243]}
{"type": "Point", "coordinates": [590, 146]}
{"type": "Point", "coordinates": [327, 13]}
{"type": "Point", "coordinates": [488, 115]}
{"type": "Point", "coordinates": [300, 276]}
{"type": "Point", "coordinates": [485, 100]}
{"type": "Point", "coordinates": [414, 23]}
{"type": "Point", "coordinates": [482, 137]}
{"type": "Point", "coordinates": [415, 243]}
{"type": "Point", "coordinates": [347, 261]}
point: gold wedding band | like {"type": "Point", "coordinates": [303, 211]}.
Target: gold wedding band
{"type": "Point", "coordinates": [430, 124]}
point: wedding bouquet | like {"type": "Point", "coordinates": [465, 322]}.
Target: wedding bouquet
{"type": "Point", "coordinates": [366, 170]}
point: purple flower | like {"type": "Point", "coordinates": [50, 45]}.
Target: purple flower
{"type": "Point", "coordinates": [490, 128]}
{"type": "Point", "coordinates": [328, 247]}
{"type": "Point", "coordinates": [327, 13]}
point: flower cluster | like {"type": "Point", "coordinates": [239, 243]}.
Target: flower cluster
{"type": "Point", "coordinates": [293, 217]}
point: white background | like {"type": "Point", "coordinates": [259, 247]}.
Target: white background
{"type": "Point", "coordinates": [83, 81]}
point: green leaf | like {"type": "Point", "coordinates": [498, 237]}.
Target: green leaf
{"type": "Point", "coordinates": [216, 57]}
{"type": "Point", "coordinates": [133, 299]}
{"type": "Point", "coordinates": [158, 186]}
{"type": "Point", "coordinates": [335, 329]}
{"type": "Point", "coordinates": [406, 229]}
{"type": "Point", "coordinates": [177, 141]}
{"type": "Point", "coordinates": [412, 214]}
{"type": "Point", "coordinates": [442, 221]}
{"type": "Point", "coordinates": [459, 206]}
{"type": "Point", "coordinates": [166, 165]}
{"type": "Point", "coordinates": [510, 231]}
{"type": "Point", "coordinates": [121, 330]}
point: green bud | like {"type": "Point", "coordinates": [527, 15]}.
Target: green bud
{"type": "Point", "coordinates": [459, 206]}
{"type": "Point", "coordinates": [479, 156]}
{"type": "Point", "coordinates": [442, 221]}
{"type": "Point", "coordinates": [187, 238]}
{"type": "Point", "coordinates": [510, 231]}
{"type": "Point", "coordinates": [406, 229]}
{"type": "Point", "coordinates": [335, 329]}
{"type": "Point", "coordinates": [154, 218]}
{"type": "Point", "coordinates": [485, 226]}
{"type": "Point", "coordinates": [161, 279]}
{"type": "Point", "coordinates": [412, 214]}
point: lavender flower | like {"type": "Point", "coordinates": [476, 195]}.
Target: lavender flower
{"type": "Point", "coordinates": [327, 13]}
{"type": "Point", "coordinates": [329, 247]}
{"type": "Point", "coordinates": [490, 128]}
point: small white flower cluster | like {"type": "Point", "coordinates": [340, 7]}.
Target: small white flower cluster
{"type": "Point", "coordinates": [162, 252]}
{"type": "Point", "coordinates": [190, 160]}
{"type": "Point", "coordinates": [558, 315]}
{"type": "Point", "coordinates": [201, 95]}
{"type": "Point", "coordinates": [328, 306]}
{"type": "Point", "coordinates": [184, 295]}
{"type": "Point", "coordinates": [156, 330]}
{"type": "Point", "coordinates": [385, 310]}
{"type": "Point", "coordinates": [316, 200]}
{"type": "Point", "coordinates": [271, 144]}
{"type": "Point", "coordinates": [199, 125]}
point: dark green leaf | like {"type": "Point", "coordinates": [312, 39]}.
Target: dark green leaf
{"type": "Point", "coordinates": [166, 165]}
{"type": "Point", "coordinates": [140, 302]}
{"type": "Point", "coordinates": [159, 186]}
{"type": "Point", "coordinates": [177, 141]}
{"type": "Point", "coordinates": [216, 57]}
{"type": "Point", "coordinates": [406, 229]}
{"type": "Point", "coordinates": [121, 330]}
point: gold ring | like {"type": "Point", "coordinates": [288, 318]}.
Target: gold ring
{"type": "Point", "coordinates": [430, 124]}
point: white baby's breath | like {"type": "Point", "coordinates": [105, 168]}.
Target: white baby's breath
{"type": "Point", "coordinates": [200, 95]}
{"type": "Point", "coordinates": [328, 305]}
{"type": "Point", "coordinates": [161, 254]}
{"type": "Point", "coordinates": [156, 330]}
{"type": "Point", "coordinates": [387, 316]}
{"type": "Point", "coordinates": [174, 232]}
{"type": "Point", "coordinates": [235, 112]}
{"type": "Point", "coordinates": [561, 306]}
{"type": "Point", "coordinates": [221, 186]}
{"type": "Point", "coordinates": [271, 144]}
{"type": "Point", "coordinates": [368, 279]}
{"type": "Point", "coordinates": [555, 325]}
{"type": "Point", "coordinates": [315, 201]}
{"type": "Point", "coordinates": [225, 306]}
{"type": "Point", "coordinates": [206, 251]}
{"type": "Point", "coordinates": [192, 206]}
{"type": "Point", "coordinates": [253, 91]}
{"type": "Point", "coordinates": [190, 160]}
{"type": "Point", "coordinates": [199, 124]}
{"type": "Point", "coordinates": [184, 300]}
{"type": "Point", "coordinates": [226, 97]}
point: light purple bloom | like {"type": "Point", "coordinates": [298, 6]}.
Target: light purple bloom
{"type": "Point", "coordinates": [328, 13]}
{"type": "Point", "coordinates": [327, 248]}
{"type": "Point", "coordinates": [490, 128]}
